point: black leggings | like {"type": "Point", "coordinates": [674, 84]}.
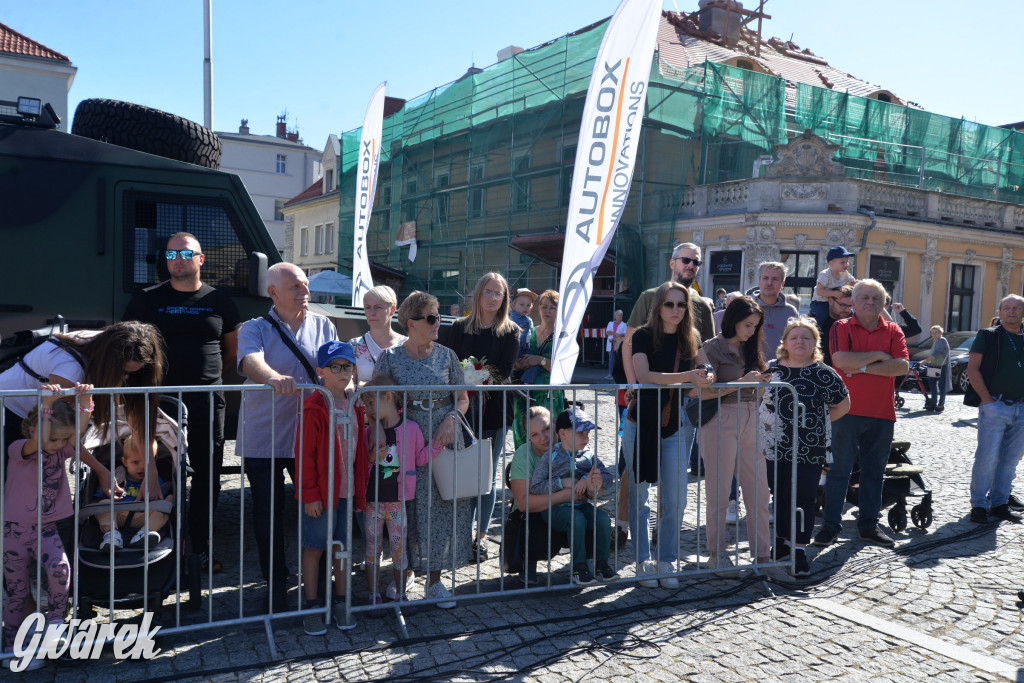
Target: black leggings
{"type": "Point", "coordinates": [780, 474]}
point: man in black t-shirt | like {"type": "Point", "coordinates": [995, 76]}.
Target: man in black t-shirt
{"type": "Point", "coordinates": [200, 327]}
{"type": "Point", "coordinates": [839, 307]}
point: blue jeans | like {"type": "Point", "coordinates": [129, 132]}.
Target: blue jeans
{"type": "Point", "coordinates": [1000, 444]}
{"type": "Point", "coordinates": [579, 521]}
{"type": "Point", "coordinates": [867, 439]}
{"type": "Point", "coordinates": [672, 494]}
{"type": "Point", "coordinates": [497, 437]}
{"type": "Point", "coordinates": [937, 388]}
{"type": "Point", "coordinates": [611, 362]}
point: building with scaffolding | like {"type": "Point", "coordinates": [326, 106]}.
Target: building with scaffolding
{"type": "Point", "coordinates": [479, 170]}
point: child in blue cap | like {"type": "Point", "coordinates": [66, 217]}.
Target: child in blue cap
{"type": "Point", "coordinates": [830, 281]}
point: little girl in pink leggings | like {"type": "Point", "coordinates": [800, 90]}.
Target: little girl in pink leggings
{"type": "Point", "coordinates": [27, 503]}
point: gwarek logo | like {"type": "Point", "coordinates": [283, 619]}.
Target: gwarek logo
{"type": "Point", "coordinates": [82, 639]}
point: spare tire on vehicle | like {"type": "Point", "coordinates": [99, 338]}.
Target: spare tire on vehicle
{"type": "Point", "coordinates": [147, 130]}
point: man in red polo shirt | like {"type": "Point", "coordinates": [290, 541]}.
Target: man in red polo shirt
{"type": "Point", "coordinates": [867, 352]}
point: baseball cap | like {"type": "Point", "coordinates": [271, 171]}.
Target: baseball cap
{"type": "Point", "coordinates": [334, 350]}
{"type": "Point", "coordinates": [837, 252]}
{"type": "Point", "coordinates": [567, 418]}
{"type": "Point", "coordinates": [524, 291]}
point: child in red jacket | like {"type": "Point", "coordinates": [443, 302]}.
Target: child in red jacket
{"type": "Point", "coordinates": [335, 366]}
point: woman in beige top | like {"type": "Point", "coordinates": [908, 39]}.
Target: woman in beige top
{"type": "Point", "coordinates": [729, 439]}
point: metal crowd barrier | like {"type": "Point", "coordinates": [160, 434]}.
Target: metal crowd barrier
{"type": "Point", "coordinates": [179, 599]}
{"type": "Point", "coordinates": [485, 578]}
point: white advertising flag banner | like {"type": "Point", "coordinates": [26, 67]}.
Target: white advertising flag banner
{"type": "Point", "coordinates": [366, 185]}
{"type": "Point", "coordinates": [605, 155]}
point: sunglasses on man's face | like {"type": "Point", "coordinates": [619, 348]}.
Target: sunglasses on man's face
{"type": "Point", "coordinates": [431, 319]}
{"type": "Point", "coordinates": [687, 260]}
{"type": "Point", "coordinates": [186, 254]}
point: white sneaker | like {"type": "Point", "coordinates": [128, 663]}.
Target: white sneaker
{"type": "Point", "coordinates": [112, 537]}
{"type": "Point", "coordinates": [438, 591]}
{"type": "Point", "coordinates": [667, 581]}
{"type": "Point", "coordinates": [732, 515]}
{"type": "Point", "coordinates": [139, 539]}
{"type": "Point", "coordinates": [392, 589]}
{"type": "Point", "coordinates": [647, 568]}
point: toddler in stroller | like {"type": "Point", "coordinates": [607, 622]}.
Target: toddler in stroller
{"type": "Point", "coordinates": [131, 476]}
{"type": "Point", "coordinates": [146, 567]}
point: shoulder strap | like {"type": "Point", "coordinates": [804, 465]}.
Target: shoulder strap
{"type": "Point", "coordinates": [60, 344]}
{"type": "Point", "coordinates": [294, 349]}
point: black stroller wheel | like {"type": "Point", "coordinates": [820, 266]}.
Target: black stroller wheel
{"type": "Point", "coordinates": [898, 518]}
{"type": "Point", "coordinates": [921, 516]}
{"type": "Point", "coordinates": [900, 401]}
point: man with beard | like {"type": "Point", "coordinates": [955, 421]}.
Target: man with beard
{"type": "Point", "coordinates": [199, 325]}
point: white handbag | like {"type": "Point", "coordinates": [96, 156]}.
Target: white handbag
{"type": "Point", "coordinates": [467, 472]}
{"type": "Point", "coordinates": [934, 372]}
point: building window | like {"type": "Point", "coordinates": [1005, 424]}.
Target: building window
{"type": "Point", "coordinates": [329, 238]}
{"type": "Point", "coordinates": [520, 186]}
{"type": "Point", "coordinates": [329, 184]}
{"type": "Point", "coordinates": [442, 199]}
{"type": "Point", "coordinates": [961, 298]}
{"type": "Point", "coordinates": [801, 275]}
{"type": "Point", "coordinates": [886, 269]}
{"type": "Point", "coordinates": [318, 239]}
{"type": "Point", "coordinates": [475, 195]}
{"type": "Point", "coordinates": [278, 209]}
{"type": "Point", "coordinates": [568, 163]}
{"type": "Point", "coordinates": [281, 158]}
{"type": "Point", "coordinates": [745, 64]}
{"type": "Point", "coordinates": [304, 242]}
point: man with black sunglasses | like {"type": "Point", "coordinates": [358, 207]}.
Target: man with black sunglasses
{"type": "Point", "coordinates": [200, 329]}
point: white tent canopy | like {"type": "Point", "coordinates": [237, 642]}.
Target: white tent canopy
{"type": "Point", "coordinates": [331, 283]}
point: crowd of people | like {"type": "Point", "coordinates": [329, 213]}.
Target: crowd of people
{"type": "Point", "coordinates": [841, 361]}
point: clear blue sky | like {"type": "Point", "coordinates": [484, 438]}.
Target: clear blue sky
{"type": "Point", "coordinates": [321, 59]}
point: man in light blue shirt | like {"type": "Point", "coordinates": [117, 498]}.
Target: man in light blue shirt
{"type": "Point", "coordinates": [267, 421]}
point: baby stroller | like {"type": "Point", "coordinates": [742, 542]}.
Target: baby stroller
{"type": "Point", "coordinates": [134, 569]}
{"type": "Point", "coordinates": [902, 480]}
{"type": "Point", "coordinates": [911, 380]}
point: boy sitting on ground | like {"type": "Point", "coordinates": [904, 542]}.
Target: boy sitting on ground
{"type": "Point", "coordinates": [571, 464]}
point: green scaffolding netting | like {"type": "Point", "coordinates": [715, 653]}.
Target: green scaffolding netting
{"type": "Point", "coordinates": [488, 158]}
{"type": "Point", "coordinates": [915, 147]}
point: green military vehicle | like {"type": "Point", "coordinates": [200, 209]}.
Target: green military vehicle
{"type": "Point", "coordinates": [84, 222]}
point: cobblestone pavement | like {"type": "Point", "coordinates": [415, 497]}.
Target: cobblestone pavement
{"type": "Point", "coordinates": [941, 606]}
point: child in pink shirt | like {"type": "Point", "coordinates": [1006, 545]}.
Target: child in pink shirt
{"type": "Point", "coordinates": [32, 509]}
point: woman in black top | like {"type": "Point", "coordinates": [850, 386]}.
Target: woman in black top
{"type": "Point", "coordinates": [487, 333]}
{"type": "Point", "coordinates": [663, 353]}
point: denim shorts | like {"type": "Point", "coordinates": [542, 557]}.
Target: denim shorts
{"type": "Point", "coordinates": [314, 529]}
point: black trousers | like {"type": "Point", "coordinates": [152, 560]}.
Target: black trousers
{"type": "Point", "coordinates": [206, 457]}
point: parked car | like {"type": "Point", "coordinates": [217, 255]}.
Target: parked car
{"type": "Point", "coordinates": [958, 362]}
{"type": "Point", "coordinates": [920, 349]}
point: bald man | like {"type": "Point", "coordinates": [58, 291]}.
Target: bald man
{"type": "Point", "coordinates": [267, 422]}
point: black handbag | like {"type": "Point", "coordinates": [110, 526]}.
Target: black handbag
{"type": "Point", "coordinates": [699, 413]}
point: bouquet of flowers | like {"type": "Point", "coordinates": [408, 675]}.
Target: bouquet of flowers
{"type": "Point", "coordinates": [477, 371]}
